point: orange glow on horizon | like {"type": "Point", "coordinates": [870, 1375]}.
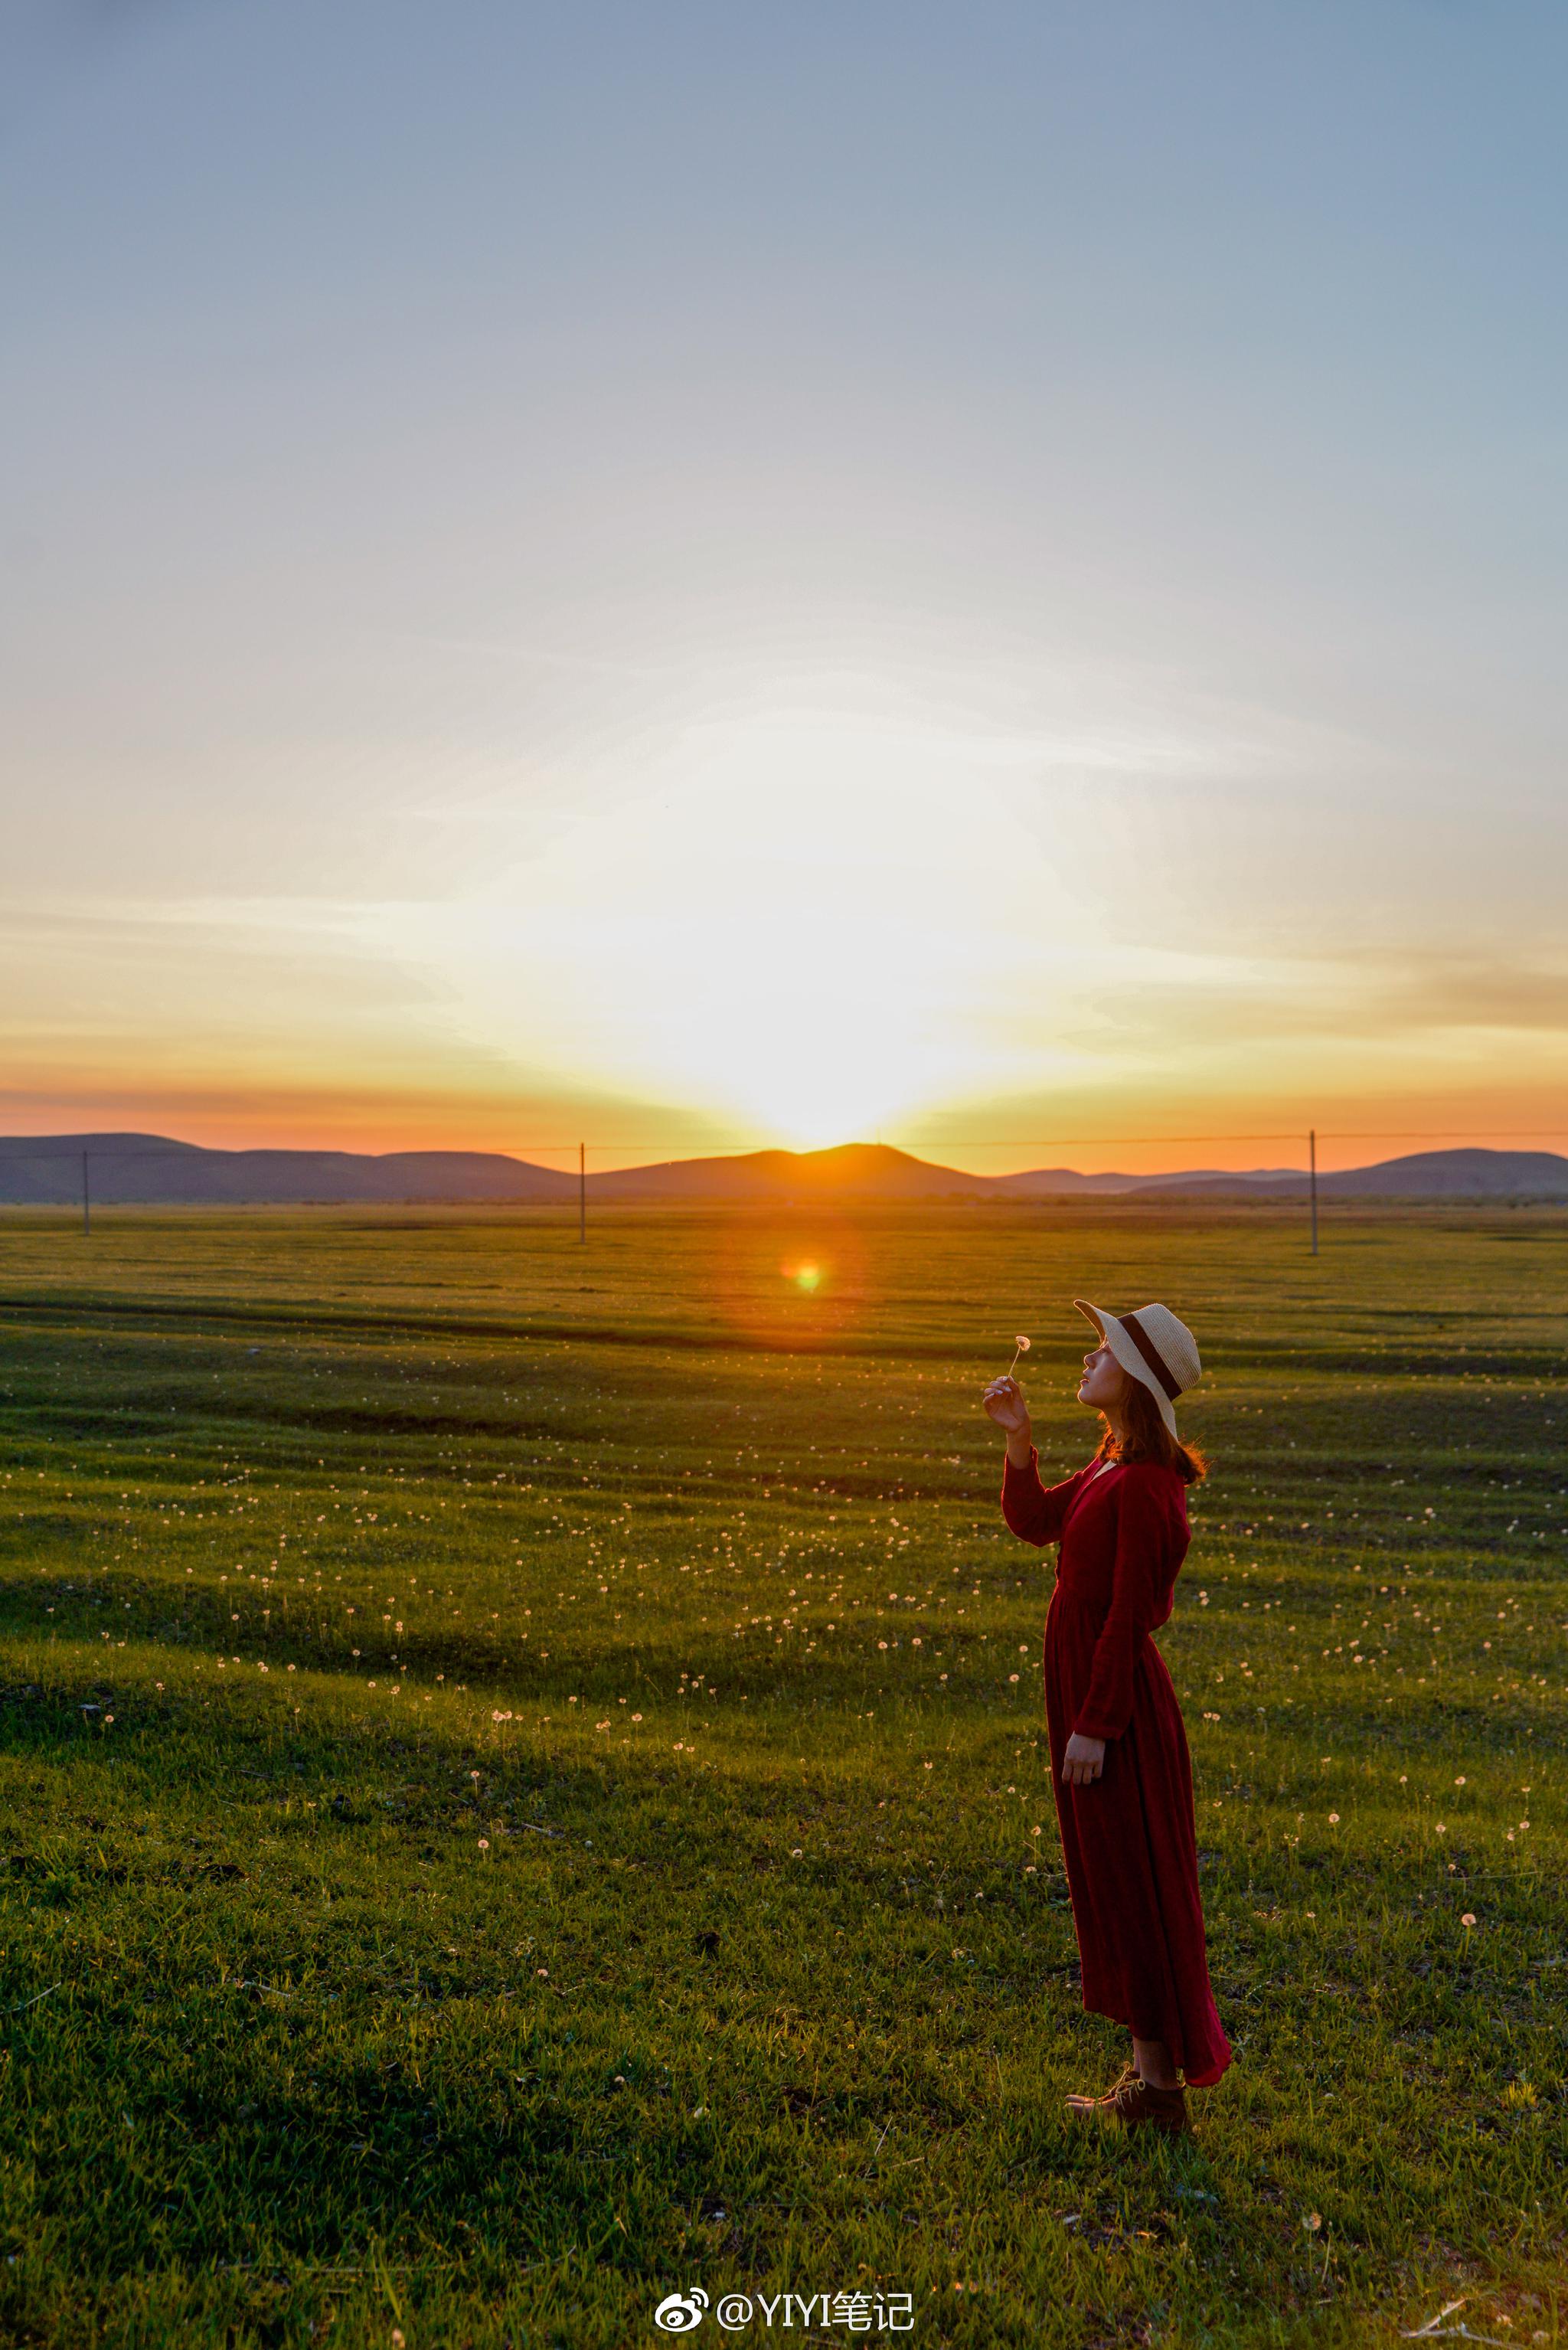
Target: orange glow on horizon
{"type": "Point", "coordinates": [881, 918]}
{"type": "Point", "coordinates": [1156, 1136]}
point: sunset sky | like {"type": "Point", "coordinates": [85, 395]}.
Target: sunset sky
{"type": "Point", "coordinates": [711, 575]}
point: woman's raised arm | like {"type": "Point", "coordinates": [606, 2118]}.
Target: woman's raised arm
{"type": "Point", "coordinates": [1033, 1511]}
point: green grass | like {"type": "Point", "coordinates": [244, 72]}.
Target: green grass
{"type": "Point", "coordinates": [526, 1786]}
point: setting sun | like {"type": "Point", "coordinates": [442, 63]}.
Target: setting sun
{"type": "Point", "coordinates": [807, 924]}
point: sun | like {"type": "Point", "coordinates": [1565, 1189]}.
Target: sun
{"type": "Point", "coordinates": [809, 926]}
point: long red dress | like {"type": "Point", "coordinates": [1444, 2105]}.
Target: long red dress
{"type": "Point", "coordinates": [1129, 1837]}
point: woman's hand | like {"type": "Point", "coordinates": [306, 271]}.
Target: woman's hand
{"type": "Point", "coordinates": [1003, 1401]}
{"type": "Point", "coordinates": [1083, 1761]}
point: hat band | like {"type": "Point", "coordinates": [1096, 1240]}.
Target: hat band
{"type": "Point", "coordinates": [1150, 1353]}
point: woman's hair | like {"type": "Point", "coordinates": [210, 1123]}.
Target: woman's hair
{"type": "Point", "coordinates": [1148, 1438]}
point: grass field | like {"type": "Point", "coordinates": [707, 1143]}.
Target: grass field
{"type": "Point", "coordinates": [524, 1782]}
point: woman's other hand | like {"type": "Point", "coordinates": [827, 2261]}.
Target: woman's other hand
{"type": "Point", "coordinates": [1083, 1761]}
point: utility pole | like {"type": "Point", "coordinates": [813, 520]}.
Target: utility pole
{"type": "Point", "coordinates": [583, 1192]}
{"type": "Point", "coordinates": [87, 1201]}
{"type": "Point", "coordinates": [1312, 1179]}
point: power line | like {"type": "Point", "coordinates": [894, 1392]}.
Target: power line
{"type": "Point", "coordinates": [1100, 1141]}
{"type": "Point", "coordinates": [1444, 1134]}
{"type": "Point", "coordinates": [1070, 1141]}
{"type": "Point", "coordinates": [1324, 1134]}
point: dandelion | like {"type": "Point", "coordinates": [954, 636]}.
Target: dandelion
{"type": "Point", "coordinates": [484, 1844]}
{"type": "Point", "coordinates": [1468, 1919]}
{"type": "Point", "coordinates": [1022, 1347]}
{"type": "Point", "coordinates": [1333, 1819]}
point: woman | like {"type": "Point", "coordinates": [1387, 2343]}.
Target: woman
{"type": "Point", "coordinates": [1119, 1764]}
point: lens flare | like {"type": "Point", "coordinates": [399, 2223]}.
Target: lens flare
{"type": "Point", "coordinates": [805, 1274]}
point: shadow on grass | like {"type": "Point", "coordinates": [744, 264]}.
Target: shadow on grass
{"type": "Point", "coordinates": [273, 2035]}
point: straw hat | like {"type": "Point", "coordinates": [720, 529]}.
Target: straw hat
{"type": "Point", "coordinates": [1151, 1346]}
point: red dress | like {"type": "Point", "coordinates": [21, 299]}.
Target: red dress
{"type": "Point", "coordinates": [1128, 1838]}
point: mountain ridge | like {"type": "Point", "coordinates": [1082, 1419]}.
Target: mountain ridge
{"type": "Point", "coordinates": [147, 1169]}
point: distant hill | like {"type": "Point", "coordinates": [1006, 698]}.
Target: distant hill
{"type": "Point", "coordinates": [1456, 1175]}
{"type": "Point", "coordinates": [1066, 1182]}
{"type": "Point", "coordinates": [1421, 1175]}
{"type": "Point", "coordinates": [151, 1169]}
{"type": "Point", "coordinates": [853, 1170]}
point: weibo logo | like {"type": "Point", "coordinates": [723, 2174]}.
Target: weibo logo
{"type": "Point", "coordinates": [679, 2312]}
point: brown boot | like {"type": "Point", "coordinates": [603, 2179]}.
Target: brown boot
{"type": "Point", "coordinates": [1140, 2105]}
{"type": "Point", "coordinates": [1083, 2101]}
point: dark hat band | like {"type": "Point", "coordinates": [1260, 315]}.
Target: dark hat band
{"type": "Point", "coordinates": [1150, 1353]}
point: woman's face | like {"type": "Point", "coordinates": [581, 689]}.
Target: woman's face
{"type": "Point", "coordinates": [1104, 1382]}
